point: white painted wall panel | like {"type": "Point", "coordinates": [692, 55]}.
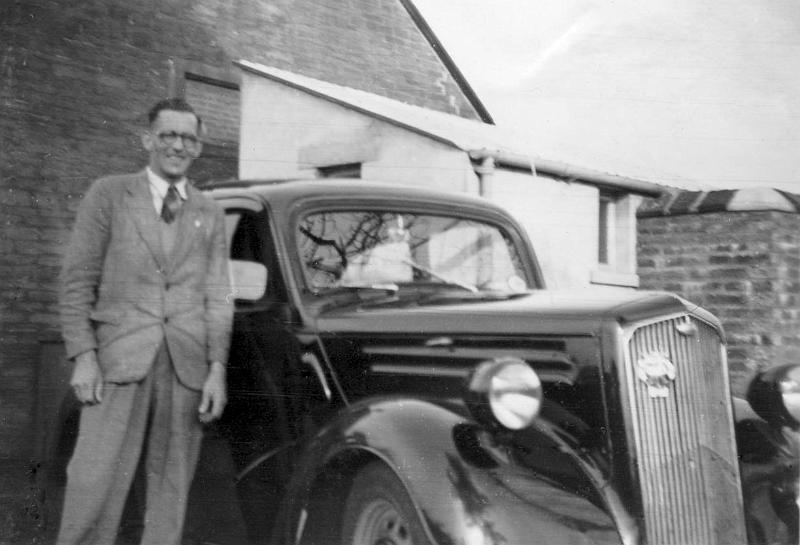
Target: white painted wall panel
{"type": "Point", "coordinates": [285, 131]}
{"type": "Point", "coordinates": [561, 221]}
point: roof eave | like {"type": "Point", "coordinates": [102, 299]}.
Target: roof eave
{"type": "Point", "coordinates": [571, 172]}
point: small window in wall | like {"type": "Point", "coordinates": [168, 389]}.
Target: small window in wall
{"type": "Point", "coordinates": [347, 170]}
{"type": "Point", "coordinates": [616, 240]}
{"type": "Point", "coordinates": [605, 230]}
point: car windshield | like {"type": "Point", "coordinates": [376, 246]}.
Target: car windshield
{"type": "Point", "coordinates": [367, 249]}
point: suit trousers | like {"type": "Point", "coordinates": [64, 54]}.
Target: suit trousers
{"type": "Point", "coordinates": [160, 411]}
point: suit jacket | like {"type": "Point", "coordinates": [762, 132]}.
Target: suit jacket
{"type": "Point", "coordinates": [122, 296]}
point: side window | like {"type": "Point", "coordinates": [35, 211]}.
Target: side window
{"type": "Point", "coordinates": [250, 241]}
{"type": "Point", "coordinates": [246, 240]}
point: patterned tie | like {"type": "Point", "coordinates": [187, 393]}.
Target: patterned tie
{"type": "Point", "coordinates": [172, 202]}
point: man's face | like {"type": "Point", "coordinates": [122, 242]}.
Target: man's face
{"type": "Point", "coordinates": [173, 143]}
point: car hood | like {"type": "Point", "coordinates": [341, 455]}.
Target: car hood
{"type": "Point", "coordinates": [576, 312]}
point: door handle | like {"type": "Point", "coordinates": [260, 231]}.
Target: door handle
{"type": "Point", "coordinates": [311, 360]}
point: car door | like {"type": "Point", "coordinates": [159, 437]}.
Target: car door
{"type": "Point", "coordinates": [278, 392]}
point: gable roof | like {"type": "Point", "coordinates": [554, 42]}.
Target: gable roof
{"type": "Point", "coordinates": [447, 60]}
{"type": "Point", "coordinates": [479, 140]}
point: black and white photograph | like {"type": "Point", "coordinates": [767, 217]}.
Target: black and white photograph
{"type": "Point", "coordinates": [399, 272]}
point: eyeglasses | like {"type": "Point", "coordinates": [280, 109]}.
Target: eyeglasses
{"type": "Point", "coordinates": [190, 141]}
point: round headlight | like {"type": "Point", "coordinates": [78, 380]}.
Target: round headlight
{"type": "Point", "coordinates": [511, 391]}
{"type": "Point", "coordinates": [775, 395]}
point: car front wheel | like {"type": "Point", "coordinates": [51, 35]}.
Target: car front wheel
{"type": "Point", "coordinates": [378, 511]}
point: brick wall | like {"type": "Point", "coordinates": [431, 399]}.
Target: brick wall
{"type": "Point", "coordinates": [75, 81]}
{"type": "Point", "coordinates": [744, 266]}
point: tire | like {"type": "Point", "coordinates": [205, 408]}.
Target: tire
{"type": "Point", "coordinates": [378, 511]}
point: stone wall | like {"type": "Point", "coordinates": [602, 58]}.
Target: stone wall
{"type": "Point", "coordinates": [76, 79]}
{"type": "Point", "coordinates": [737, 255]}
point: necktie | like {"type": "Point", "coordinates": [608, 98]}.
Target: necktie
{"type": "Point", "coordinates": [172, 202]}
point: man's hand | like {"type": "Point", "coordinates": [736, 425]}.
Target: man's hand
{"type": "Point", "coordinates": [214, 394]}
{"type": "Point", "coordinates": [87, 380]}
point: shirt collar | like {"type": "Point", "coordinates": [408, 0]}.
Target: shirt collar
{"type": "Point", "coordinates": [160, 185]}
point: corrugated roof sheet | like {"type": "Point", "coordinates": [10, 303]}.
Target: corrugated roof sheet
{"type": "Point", "coordinates": [728, 200]}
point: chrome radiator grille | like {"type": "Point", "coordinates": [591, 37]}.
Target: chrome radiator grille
{"type": "Point", "coordinates": [683, 439]}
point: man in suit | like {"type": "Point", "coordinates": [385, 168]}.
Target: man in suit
{"type": "Point", "coordinates": [146, 315]}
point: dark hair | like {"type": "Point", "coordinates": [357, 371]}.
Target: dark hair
{"type": "Point", "coordinates": [175, 104]}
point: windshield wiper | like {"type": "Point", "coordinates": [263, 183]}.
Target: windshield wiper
{"type": "Point", "coordinates": [387, 287]}
{"type": "Point", "coordinates": [437, 276]}
{"type": "Point", "coordinates": [381, 286]}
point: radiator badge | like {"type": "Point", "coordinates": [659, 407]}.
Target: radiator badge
{"type": "Point", "coordinates": [656, 371]}
{"type": "Point", "coordinates": [687, 327]}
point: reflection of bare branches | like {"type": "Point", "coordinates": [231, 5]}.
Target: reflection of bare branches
{"type": "Point", "coordinates": [357, 230]}
{"type": "Point", "coordinates": [319, 241]}
{"type": "Point", "coordinates": [364, 235]}
{"type": "Point", "coordinates": [351, 234]}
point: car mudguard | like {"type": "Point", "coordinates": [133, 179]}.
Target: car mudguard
{"type": "Point", "coordinates": [462, 496]}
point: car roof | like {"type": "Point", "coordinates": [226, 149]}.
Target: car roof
{"type": "Point", "coordinates": [288, 191]}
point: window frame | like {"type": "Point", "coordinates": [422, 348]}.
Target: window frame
{"type": "Point", "coordinates": [616, 240]}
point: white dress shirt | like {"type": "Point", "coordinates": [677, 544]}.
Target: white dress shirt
{"type": "Point", "coordinates": [159, 187]}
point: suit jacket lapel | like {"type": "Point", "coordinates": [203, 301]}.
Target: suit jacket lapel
{"type": "Point", "coordinates": [140, 206]}
{"type": "Point", "coordinates": [190, 225]}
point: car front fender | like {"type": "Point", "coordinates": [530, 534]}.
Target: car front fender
{"type": "Point", "coordinates": [461, 495]}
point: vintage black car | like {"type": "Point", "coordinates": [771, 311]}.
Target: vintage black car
{"type": "Point", "coordinates": [400, 375]}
